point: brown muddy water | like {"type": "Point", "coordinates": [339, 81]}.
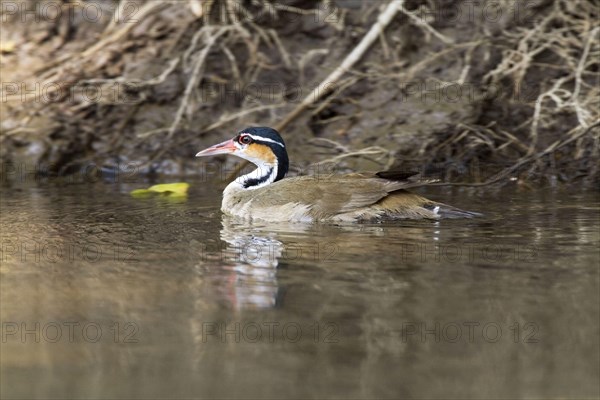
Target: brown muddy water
{"type": "Point", "coordinates": [107, 296]}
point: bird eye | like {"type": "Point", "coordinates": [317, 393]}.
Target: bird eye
{"type": "Point", "coordinates": [245, 139]}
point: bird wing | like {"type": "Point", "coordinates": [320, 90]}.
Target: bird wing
{"type": "Point", "coordinates": [330, 195]}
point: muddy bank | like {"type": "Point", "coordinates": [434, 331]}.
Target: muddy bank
{"type": "Point", "coordinates": [461, 89]}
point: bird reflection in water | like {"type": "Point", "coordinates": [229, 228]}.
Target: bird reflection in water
{"type": "Point", "coordinates": [245, 268]}
{"type": "Point", "coordinates": [249, 259]}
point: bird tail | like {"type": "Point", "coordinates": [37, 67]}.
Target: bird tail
{"type": "Point", "coordinates": [446, 211]}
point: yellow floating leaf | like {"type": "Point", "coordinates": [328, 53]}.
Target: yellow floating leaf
{"type": "Point", "coordinates": [141, 193]}
{"type": "Point", "coordinates": [7, 46]}
{"type": "Point", "coordinates": [178, 189]}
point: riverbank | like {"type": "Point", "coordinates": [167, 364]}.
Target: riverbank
{"type": "Point", "coordinates": [461, 90]}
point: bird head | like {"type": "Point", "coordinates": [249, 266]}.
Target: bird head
{"type": "Point", "coordinates": [262, 146]}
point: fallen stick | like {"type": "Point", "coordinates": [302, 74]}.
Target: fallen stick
{"type": "Point", "coordinates": [195, 78]}
{"type": "Point", "coordinates": [328, 83]}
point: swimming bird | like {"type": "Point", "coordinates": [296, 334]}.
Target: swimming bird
{"type": "Point", "coordinates": [265, 194]}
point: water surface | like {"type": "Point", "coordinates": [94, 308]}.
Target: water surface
{"type": "Point", "coordinates": [107, 296]}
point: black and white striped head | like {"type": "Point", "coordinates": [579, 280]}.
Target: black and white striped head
{"type": "Point", "coordinates": [262, 146]}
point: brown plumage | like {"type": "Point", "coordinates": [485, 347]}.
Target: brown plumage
{"type": "Point", "coordinates": [264, 195]}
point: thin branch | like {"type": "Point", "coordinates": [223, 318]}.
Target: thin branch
{"type": "Point", "coordinates": [195, 77]}
{"type": "Point", "coordinates": [526, 160]}
{"type": "Point", "coordinates": [328, 83]}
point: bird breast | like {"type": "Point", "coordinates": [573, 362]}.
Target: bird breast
{"type": "Point", "coordinates": [251, 204]}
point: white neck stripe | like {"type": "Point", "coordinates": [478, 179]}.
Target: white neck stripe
{"type": "Point", "coordinates": [264, 170]}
